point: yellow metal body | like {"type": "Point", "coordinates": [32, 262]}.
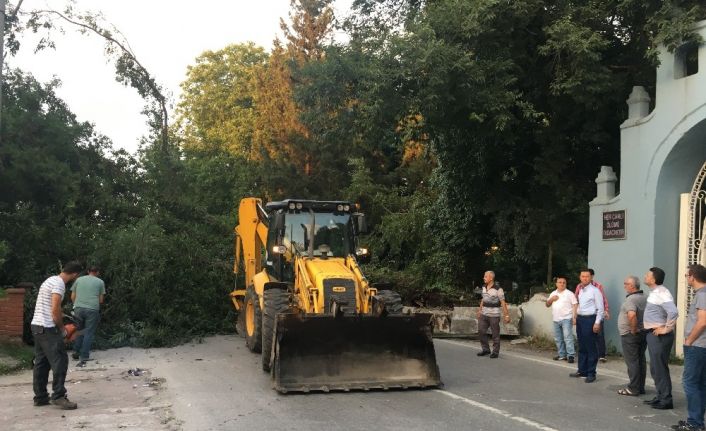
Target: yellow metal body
{"type": "Point", "coordinates": [310, 341]}
{"type": "Point", "coordinates": [309, 273]}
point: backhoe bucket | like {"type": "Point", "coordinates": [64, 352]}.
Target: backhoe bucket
{"type": "Point", "coordinates": [323, 353]}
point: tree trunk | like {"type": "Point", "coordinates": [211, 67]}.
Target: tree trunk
{"type": "Point", "coordinates": [550, 255]}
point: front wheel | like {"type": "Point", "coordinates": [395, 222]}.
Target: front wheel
{"type": "Point", "coordinates": [392, 301]}
{"type": "Point", "coordinates": [276, 301]}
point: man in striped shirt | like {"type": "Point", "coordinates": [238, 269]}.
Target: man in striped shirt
{"type": "Point", "coordinates": [49, 333]}
{"type": "Point", "coordinates": [659, 319]}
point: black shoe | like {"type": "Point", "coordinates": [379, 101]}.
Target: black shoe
{"type": "Point", "coordinates": [570, 360]}
{"type": "Point", "coordinates": [663, 406]}
{"type": "Point", "coordinates": [687, 427]}
{"type": "Point", "coordinates": [74, 355]}
{"type": "Point", "coordinates": [493, 355]}
{"type": "Point", "coordinates": [577, 374]}
{"type": "Point", "coordinates": [41, 402]}
{"type": "Point", "coordinates": [559, 358]}
{"type": "Point", "coordinates": [64, 404]}
{"type": "Point", "coordinates": [652, 401]}
{"type": "Point", "coordinates": [603, 359]}
{"type": "Point", "coordinates": [483, 353]}
{"type": "Point", "coordinates": [590, 379]}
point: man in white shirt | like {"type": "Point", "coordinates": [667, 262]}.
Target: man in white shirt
{"type": "Point", "coordinates": [588, 324]}
{"type": "Point", "coordinates": [564, 305]}
{"type": "Point", "coordinates": [49, 333]}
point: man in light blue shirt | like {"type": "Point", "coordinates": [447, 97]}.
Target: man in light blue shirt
{"type": "Point", "coordinates": [588, 324]}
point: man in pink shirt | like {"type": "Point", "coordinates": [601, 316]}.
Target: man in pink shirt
{"type": "Point", "coordinates": [586, 277]}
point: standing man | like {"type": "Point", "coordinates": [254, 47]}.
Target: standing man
{"type": "Point", "coordinates": [87, 294]}
{"type": "Point", "coordinates": [564, 305]}
{"type": "Point", "coordinates": [489, 314]}
{"type": "Point", "coordinates": [660, 319]}
{"type": "Point", "coordinates": [694, 378]}
{"type": "Point", "coordinates": [588, 324]}
{"type": "Point", "coordinates": [48, 332]}
{"type": "Point", "coordinates": [600, 337]}
{"type": "Point", "coordinates": [632, 336]}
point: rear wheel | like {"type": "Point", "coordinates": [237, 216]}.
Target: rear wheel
{"type": "Point", "coordinates": [392, 300]}
{"type": "Point", "coordinates": [276, 301]}
{"type": "Point", "coordinates": [253, 321]}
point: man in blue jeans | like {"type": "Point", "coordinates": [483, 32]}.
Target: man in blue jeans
{"type": "Point", "coordinates": [564, 305]}
{"type": "Point", "coordinates": [87, 293]}
{"type": "Point", "coordinates": [694, 378]}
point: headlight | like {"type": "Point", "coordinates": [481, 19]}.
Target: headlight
{"type": "Point", "coordinates": [279, 249]}
{"type": "Point", "coordinates": [339, 207]}
{"type": "Point", "coordinates": [346, 207]}
{"type": "Point", "coordinates": [292, 205]}
{"type": "Point", "coordinates": [299, 205]}
{"type": "Point", "coordinates": [361, 251]}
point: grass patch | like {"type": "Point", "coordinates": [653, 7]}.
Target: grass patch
{"type": "Point", "coordinates": [15, 356]}
{"type": "Point", "coordinates": [541, 342]}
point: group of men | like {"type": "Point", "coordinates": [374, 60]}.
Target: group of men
{"type": "Point", "coordinates": [645, 323]}
{"type": "Point", "coordinates": [50, 335]}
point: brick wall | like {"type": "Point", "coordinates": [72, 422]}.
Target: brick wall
{"type": "Point", "coordinates": [11, 312]}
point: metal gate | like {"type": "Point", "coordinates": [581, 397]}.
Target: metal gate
{"type": "Point", "coordinates": [697, 234]}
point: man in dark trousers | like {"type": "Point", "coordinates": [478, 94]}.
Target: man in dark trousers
{"type": "Point", "coordinates": [491, 307]}
{"type": "Point", "coordinates": [600, 337]}
{"type": "Point", "coordinates": [49, 333]}
{"type": "Point", "coordinates": [660, 319]}
{"type": "Point", "coordinates": [588, 324]}
{"type": "Point", "coordinates": [632, 336]}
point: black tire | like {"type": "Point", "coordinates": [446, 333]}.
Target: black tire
{"type": "Point", "coordinates": [276, 301]}
{"type": "Point", "coordinates": [392, 300]}
{"type": "Point", "coordinates": [253, 335]}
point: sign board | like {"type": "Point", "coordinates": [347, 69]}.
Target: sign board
{"type": "Point", "coordinates": [614, 224]}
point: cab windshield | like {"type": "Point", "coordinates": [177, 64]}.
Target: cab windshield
{"type": "Point", "coordinates": [332, 233]}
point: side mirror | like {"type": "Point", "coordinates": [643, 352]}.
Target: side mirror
{"type": "Point", "coordinates": [360, 223]}
{"type": "Point", "coordinates": [362, 255]}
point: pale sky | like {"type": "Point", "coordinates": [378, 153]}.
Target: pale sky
{"type": "Point", "coordinates": [165, 35]}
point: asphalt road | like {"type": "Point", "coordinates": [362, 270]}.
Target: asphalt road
{"type": "Point", "coordinates": [219, 385]}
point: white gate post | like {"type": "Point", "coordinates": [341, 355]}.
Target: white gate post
{"type": "Point", "coordinates": [682, 263]}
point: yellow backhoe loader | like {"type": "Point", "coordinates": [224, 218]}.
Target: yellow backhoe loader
{"type": "Point", "coordinates": [308, 308]}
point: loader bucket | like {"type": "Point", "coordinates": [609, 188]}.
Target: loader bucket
{"type": "Point", "coordinates": [324, 353]}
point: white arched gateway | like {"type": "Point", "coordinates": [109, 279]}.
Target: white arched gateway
{"type": "Point", "coordinates": [657, 219]}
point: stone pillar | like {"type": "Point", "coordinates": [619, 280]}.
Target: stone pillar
{"type": "Point", "coordinates": [12, 312]}
{"type": "Point", "coordinates": [605, 182]}
{"type": "Point", "coordinates": [638, 103]}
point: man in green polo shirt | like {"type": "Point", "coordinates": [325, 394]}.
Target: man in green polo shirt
{"type": "Point", "coordinates": [87, 293]}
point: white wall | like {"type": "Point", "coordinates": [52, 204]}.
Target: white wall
{"type": "Point", "coordinates": [661, 154]}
